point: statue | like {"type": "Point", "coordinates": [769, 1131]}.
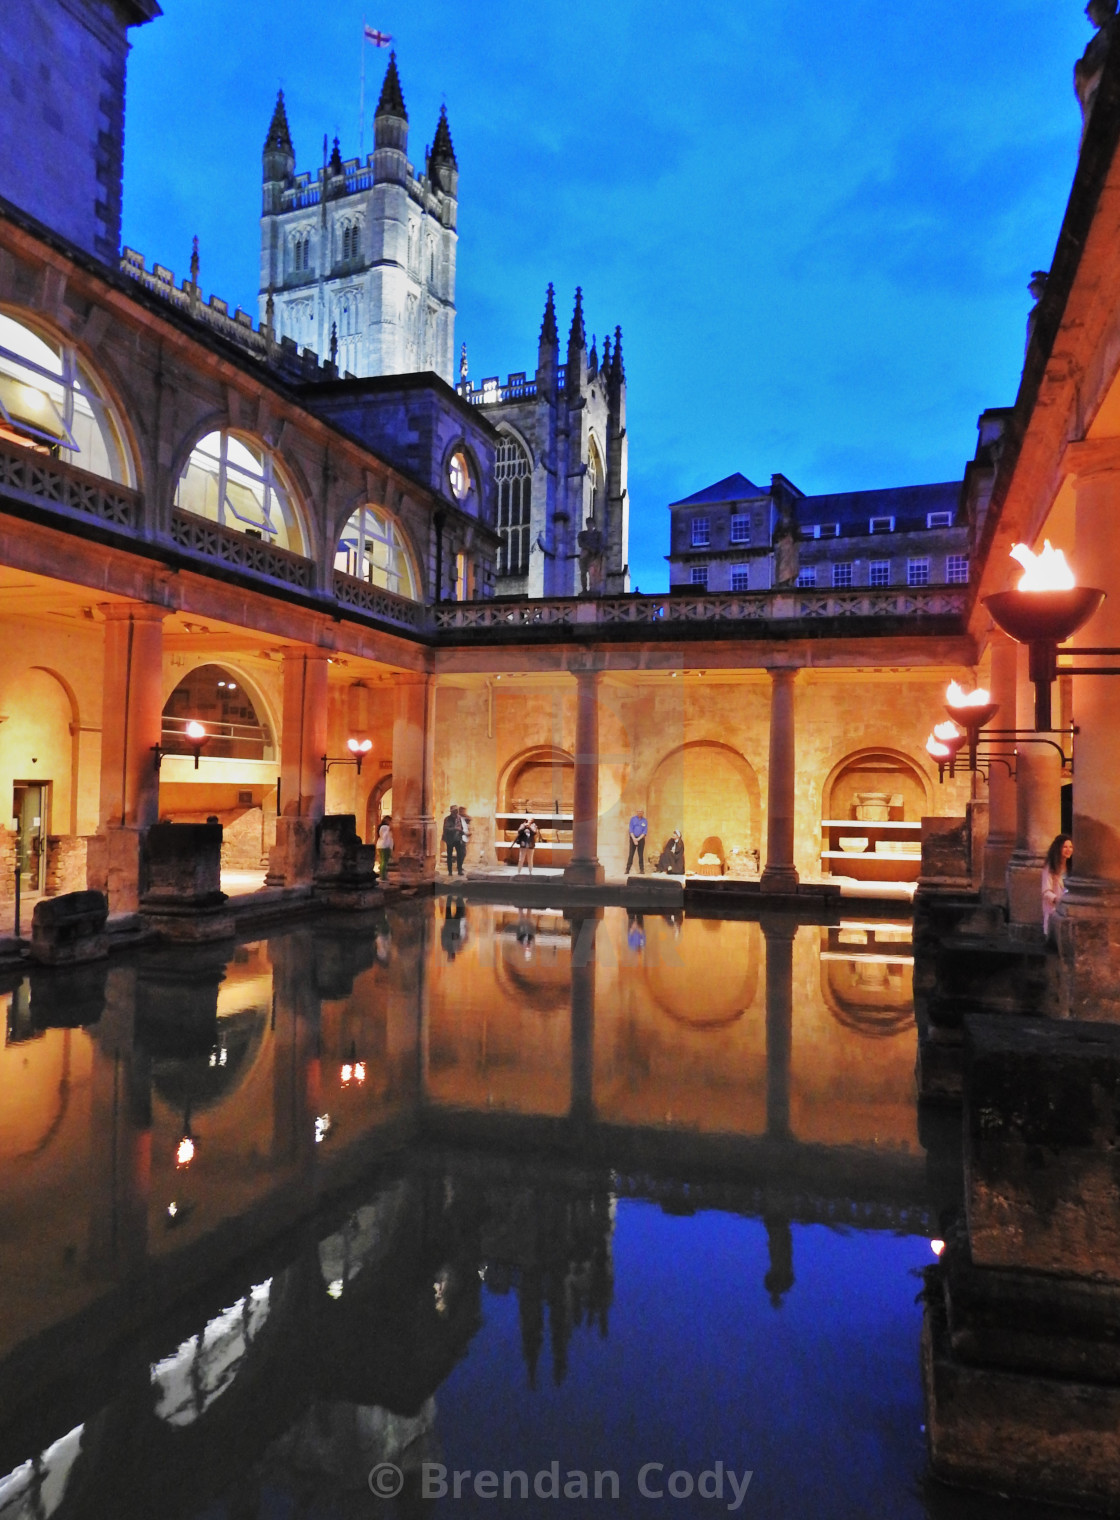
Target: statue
{"type": "Point", "coordinates": [787, 557]}
{"type": "Point", "coordinates": [590, 541]}
{"type": "Point", "coordinates": [1089, 67]}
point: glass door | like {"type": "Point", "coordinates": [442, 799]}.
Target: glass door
{"type": "Point", "coordinates": [29, 809]}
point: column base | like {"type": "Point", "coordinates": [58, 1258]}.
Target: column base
{"type": "Point", "coordinates": [1087, 925]}
{"type": "Point", "coordinates": [1024, 889]}
{"type": "Point", "coordinates": [414, 853]}
{"type": "Point", "coordinates": [291, 861]}
{"type": "Point", "coordinates": [585, 873]}
{"type": "Point", "coordinates": [113, 866]}
{"type": "Point", "coordinates": [779, 879]}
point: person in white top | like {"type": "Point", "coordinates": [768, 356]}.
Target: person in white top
{"type": "Point", "coordinates": [385, 846]}
{"type": "Point", "coordinates": [1054, 877]}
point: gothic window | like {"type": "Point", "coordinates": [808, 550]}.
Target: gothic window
{"type": "Point", "coordinates": [514, 479]}
{"type": "Point", "coordinates": [373, 549]}
{"type": "Point", "coordinates": [237, 483]}
{"type": "Point", "coordinates": [50, 401]}
{"type": "Point", "coordinates": [431, 261]}
{"type": "Point", "coordinates": [413, 240]}
{"type": "Point", "coordinates": [594, 481]}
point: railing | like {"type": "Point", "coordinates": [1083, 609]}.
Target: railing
{"type": "Point", "coordinates": [682, 608]}
{"type": "Point", "coordinates": [42, 480]}
{"type": "Point", "coordinates": [198, 535]}
{"type": "Point", "coordinates": [379, 603]}
{"type": "Point", "coordinates": [490, 393]}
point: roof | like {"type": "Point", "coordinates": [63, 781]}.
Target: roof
{"type": "Point", "coordinates": [901, 502]}
{"type": "Point", "coordinates": [733, 488]}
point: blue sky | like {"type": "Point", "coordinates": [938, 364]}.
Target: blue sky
{"type": "Point", "coordinates": [814, 224]}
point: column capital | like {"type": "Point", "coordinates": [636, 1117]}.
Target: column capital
{"type": "Point", "coordinates": [586, 667]}
{"type": "Point", "coordinates": [304, 652]}
{"type": "Point", "coordinates": [783, 673]}
{"type": "Point", "coordinates": [133, 612]}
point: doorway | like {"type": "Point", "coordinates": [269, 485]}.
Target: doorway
{"type": "Point", "coordinates": [30, 800]}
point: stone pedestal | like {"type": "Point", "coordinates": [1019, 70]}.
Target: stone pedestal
{"type": "Point", "coordinates": [584, 867]}
{"type": "Point", "coordinates": [183, 897]}
{"type": "Point", "coordinates": [780, 873]}
{"type": "Point", "coordinates": [414, 826]}
{"type": "Point", "coordinates": [68, 929]}
{"type": "Point", "coordinates": [346, 869]}
{"type": "Point", "coordinates": [291, 861]}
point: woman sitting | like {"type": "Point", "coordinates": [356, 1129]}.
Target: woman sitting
{"type": "Point", "coordinates": [1054, 877]}
{"type": "Point", "coordinates": [671, 859]}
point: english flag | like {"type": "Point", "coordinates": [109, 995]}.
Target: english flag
{"type": "Point", "coordinates": [379, 39]}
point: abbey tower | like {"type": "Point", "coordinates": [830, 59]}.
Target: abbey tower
{"type": "Point", "coordinates": [363, 254]}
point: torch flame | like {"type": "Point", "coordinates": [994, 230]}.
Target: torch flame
{"type": "Point", "coordinates": [195, 730]}
{"type": "Point", "coordinates": [1047, 571]}
{"type": "Point", "coordinates": [956, 696]}
{"type": "Point", "coordinates": [184, 1153]}
{"type": "Point", "coordinates": [947, 730]}
{"type": "Point", "coordinates": [938, 750]}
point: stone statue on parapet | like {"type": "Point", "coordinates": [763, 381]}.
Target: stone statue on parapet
{"type": "Point", "coordinates": [590, 541]}
{"type": "Point", "coordinates": [787, 554]}
{"type": "Point", "coordinates": [1089, 67]}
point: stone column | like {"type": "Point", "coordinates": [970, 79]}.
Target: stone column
{"type": "Point", "coordinates": [303, 787]}
{"type": "Point", "coordinates": [1088, 920]}
{"type": "Point", "coordinates": [584, 866]}
{"type": "Point", "coordinates": [1002, 802]}
{"type": "Point", "coordinates": [1038, 810]}
{"type": "Point", "coordinates": [414, 827]}
{"type": "Point", "coordinates": [132, 725]}
{"type": "Point", "coordinates": [780, 874]}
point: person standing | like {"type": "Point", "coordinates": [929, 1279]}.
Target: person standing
{"type": "Point", "coordinates": [1054, 877]}
{"type": "Point", "coordinates": [453, 841]}
{"type": "Point", "coordinates": [639, 828]}
{"type": "Point", "coordinates": [526, 842]}
{"type": "Point", "coordinates": [385, 846]}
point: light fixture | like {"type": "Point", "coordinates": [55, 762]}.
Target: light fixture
{"type": "Point", "coordinates": [943, 745]}
{"type": "Point", "coordinates": [1046, 608]}
{"type": "Point", "coordinates": [970, 711]}
{"type": "Point", "coordinates": [359, 749]}
{"type": "Point", "coordinates": [195, 735]}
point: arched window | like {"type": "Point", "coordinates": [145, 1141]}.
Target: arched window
{"type": "Point", "coordinates": [216, 698]}
{"type": "Point", "coordinates": [514, 477]}
{"type": "Point", "coordinates": [236, 483]}
{"type": "Point", "coordinates": [50, 401]}
{"type": "Point", "coordinates": [373, 549]}
{"type": "Point", "coordinates": [594, 481]}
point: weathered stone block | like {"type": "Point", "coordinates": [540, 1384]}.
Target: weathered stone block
{"type": "Point", "coordinates": [291, 861]}
{"type": "Point", "coordinates": [1042, 1145]}
{"type": "Point", "coordinates": [70, 928]}
{"type": "Point", "coordinates": [345, 869]}
{"type": "Point", "coordinates": [183, 864]}
{"type": "Point", "coordinates": [946, 853]}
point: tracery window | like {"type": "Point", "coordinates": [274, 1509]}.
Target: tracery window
{"type": "Point", "coordinates": [513, 474]}
{"type": "Point", "coordinates": [50, 400]}
{"type": "Point", "coordinates": [301, 252]}
{"type": "Point", "coordinates": [374, 549]}
{"type": "Point", "coordinates": [236, 482]}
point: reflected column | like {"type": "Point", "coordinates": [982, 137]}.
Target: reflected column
{"type": "Point", "coordinates": [296, 1084]}
{"type": "Point", "coordinates": [584, 865]}
{"type": "Point", "coordinates": [121, 1133]}
{"type": "Point", "coordinates": [585, 926]}
{"type": "Point", "coordinates": [780, 874]}
{"type": "Point", "coordinates": [780, 934]}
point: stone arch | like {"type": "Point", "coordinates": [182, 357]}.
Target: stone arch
{"type": "Point", "coordinates": [378, 802]}
{"type": "Point", "coordinates": [877, 768]}
{"type": "Point", "coordinates": [40, 740]}
{"type": "Point", "coordinates": [80, 413]}
{"type": "Point", "coordinates": [709, 791]}
{"type": "Point", "coordinates": [515, 435]}
{"type": "Point", "coordinates": [352, 538]}
{"type": "Point", "coordinates": [255, 696]}
{"type": "Point", "coordinates": [548, 772]}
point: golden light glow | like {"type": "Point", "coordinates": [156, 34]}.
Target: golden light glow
{"type": "Point", "coordinates": [1047, 571]}
{"type": "Point", "coordinates": [359, 746]}
{"type": "Point", "coordinates": [184, 1155]}
{"type": "Point", "coordinates": [956, 696]}
{"type": "Point", "coordinates": [946, 730]}
{"type": "Point", "coordinates": [347, 1074]}
{"type": "Point", "coordinates": [937, 1246]}
{"type": "Point", "coordinates": [938, 750]}
{"type": "Point", "coordinates": [195, 731]}
{"type": "Point", "coordinates": [359, 1071]}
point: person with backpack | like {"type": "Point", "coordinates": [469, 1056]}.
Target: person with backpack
{"type": "Point", "coordinates": [526, 842]}
{"type": "Point", "coordinates": [453, 841]}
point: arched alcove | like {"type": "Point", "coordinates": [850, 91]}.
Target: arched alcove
{"type": "Point", "coordinates": [879, 770]}
{"type": "Point", "coordinates": [710, 792]}
{"type": "Point", "coordinates": [536, 780]}
{"type": "Point", "coordinates": [379, 804]}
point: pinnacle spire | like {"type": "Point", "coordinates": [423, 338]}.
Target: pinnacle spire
{"type": "Point", "coordinates": [593, 358]}
{"type": "Point", "coordinates": [279, 137]}
{"type": "Point", "coordinates": [605, 367]}
{"type": "Point", "coordinates": [336, 160]}
{"type": "Point", "coordinates": [548, 326]}
{"type": "Point", "coordinates": [443, 152]}
{"type": "Point", "coordinates": [577, 337]}
{"type": "Point", "coordinates": [391, 100]}
{"type": "Point", "coordinates": [618, 373]}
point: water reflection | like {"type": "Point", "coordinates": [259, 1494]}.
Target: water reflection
{"type": "Point", "coordinates": [518, 1077]}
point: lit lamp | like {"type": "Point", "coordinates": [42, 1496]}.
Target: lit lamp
{"type": "Point", "coordinates": [943, 745]}
{"type": "Point", "coordinates": [353, 1070]}
{"type": "Point", "coordinates": [1046, 608]}
{"type": "Point", "coordinates": [359, 749]}
{"type": "Point", "coordinates": [970, 711]}
{"type": "Point", "coordinates": [196, 736]}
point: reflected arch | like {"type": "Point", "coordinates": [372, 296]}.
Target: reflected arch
{"type": "Point", "coordinates": [676, 967]}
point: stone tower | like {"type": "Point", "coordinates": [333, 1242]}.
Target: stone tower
{"type": "Point", "coordinates": [561, 461]}
{"type": "Point", "coordinates": [365, 251]}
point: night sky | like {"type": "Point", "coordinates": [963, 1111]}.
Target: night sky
{"type": "Point", "coordinates": [815, 224]}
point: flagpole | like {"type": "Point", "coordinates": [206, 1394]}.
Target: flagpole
{"type": "Point", "coordinates": [362, 100]}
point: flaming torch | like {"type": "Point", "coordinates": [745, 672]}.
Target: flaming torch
{"type": "Point", "coordinates": [1046, 608]}
{"type": "Point", "coordinates": [943, 745]}
{"type": "Point", "coordinates": [969, 710]}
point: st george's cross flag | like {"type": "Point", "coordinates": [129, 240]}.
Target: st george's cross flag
{"type": "Point", "coordinates": [379, 39]}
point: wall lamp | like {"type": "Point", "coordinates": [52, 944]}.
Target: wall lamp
{"type": "Point", "coordinates": [359, 749]}
{"type": "Point", "coordinates": [196, 737]}
{"type": "Point", "coordinates": [1045, 609]}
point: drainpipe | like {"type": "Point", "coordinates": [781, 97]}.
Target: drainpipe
{"type": "Point", "coordinates": [439, 519]}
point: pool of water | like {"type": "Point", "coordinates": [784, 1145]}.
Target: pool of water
{"type": "Point", "coordinates": [526, 1212]}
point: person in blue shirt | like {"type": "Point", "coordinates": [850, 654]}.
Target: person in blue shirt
{"type": "Point", "coordinates": [638, 830]}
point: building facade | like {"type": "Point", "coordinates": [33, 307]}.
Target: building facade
{"type": "Point", "coordinates": [358, 259]}
{"type": "Point", "coordinates": [561, 470]}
